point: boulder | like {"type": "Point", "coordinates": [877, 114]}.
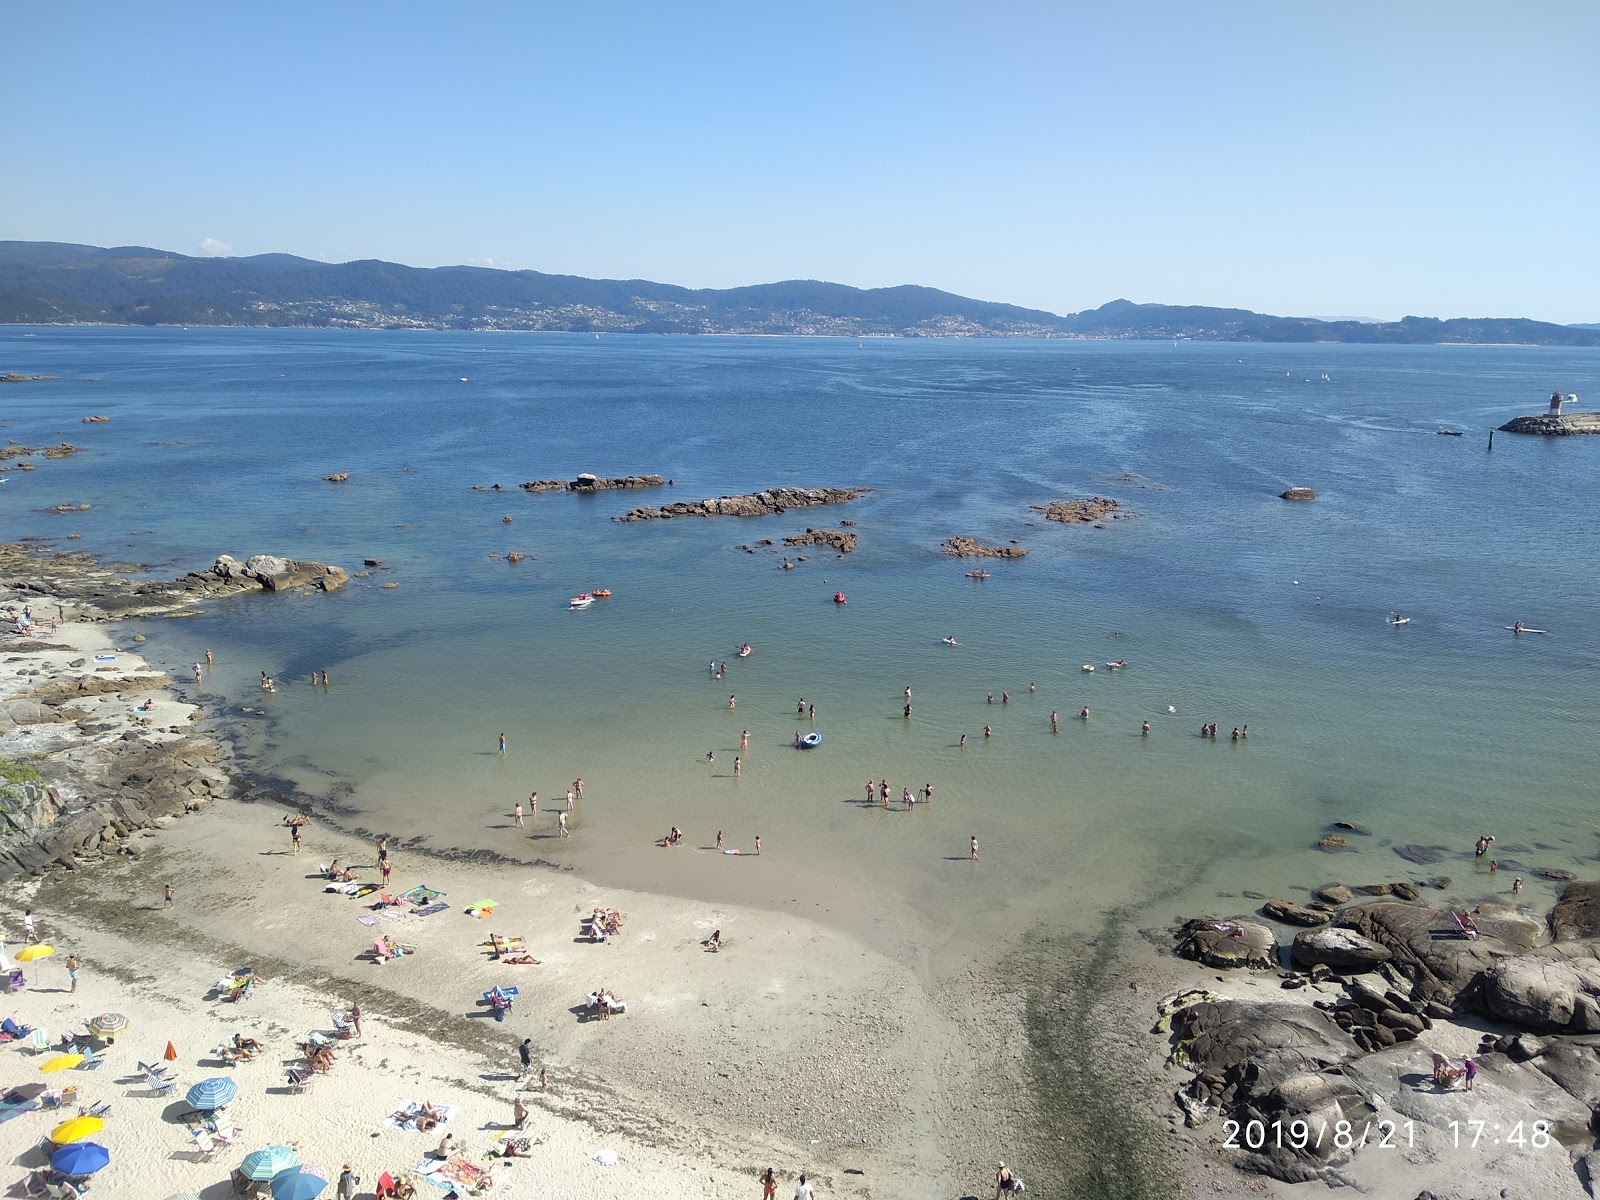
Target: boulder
{"type": "Point", "coordinates": [1555, 987]}
{"type": "Point", "coordinates": [1333, 842]}
{"type": "Point", "coordinates": [1333, 893]}
{"type": "Point", "coordinates": [1342, 949]}
{"type": "Point", "coordinates": [1426, 947]}
{"type": "Point", "coordinates": [1294, 914]}
{"type": "Point", "coordinates": [337, 477]}
{"type": "Point", "coordinates": [1224, 944]}
{"type": "Point", "coordinates": [1577, 913]}
{"type": "Point", "coordinates": [1297, 493]}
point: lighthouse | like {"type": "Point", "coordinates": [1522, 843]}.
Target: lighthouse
{"type": "Point", "coordinates": [1555, 403]}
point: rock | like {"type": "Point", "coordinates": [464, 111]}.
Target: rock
{"type": "Point", "coordinates": [62, 510]}
{"type": "Point", "coordinates": [1297, 493]}
{"type": "Point", "coordinates": [337, 477]}
{"type": "Point", "coordinates": [372, 562]}
{"type": "Point", "coordinates": [390, 586]}
{"type": "Point", "coordinates": [1333, 842]}
{"type": "Point", "coordinates": [1442, 882]}
{"type": "Point", "coordinates": [97, 419]}
{"type": "Point", "coordinates": [838, 539]}
{"type": "Point", "coordinates": [1556, 874]}
{"type": "Point", "coordinates": [1555, 987]}
{"type": "Point", "coordinates": [1405, 891]}
{"type": "Point", "coordinates": [1293, 914]}
{"type": "Point", "coordinates": [965, 547]}
{"type": "Point", "coordinates": [1374, 889]}
{"type": "Point", "coordinates": [755, 504]}
{"type": "Point", "coordinates": [515, 556]}
{"type": "Point", "coordinates": [1439, 967]}
{"type": "Point", "coordinates": [1419, 854]}
{"type": "Point", "coordinates": [1577, 913]}
{"type": "Point", "coordinates": [1333, 893]}
{"type": "Point", "coordinates": [1225, 944]}
{"type": "Point", "coordinates": [1342, 949]}
{"type": "Point", "coordinates": [594, 483]}
{"type": "Point", "coordinates": [1352, 827]}
{"type": "Point", "coordinates": [1078, 512]}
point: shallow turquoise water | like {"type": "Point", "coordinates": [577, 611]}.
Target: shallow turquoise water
{"type": "Point", "coordinates": [1230, 604]}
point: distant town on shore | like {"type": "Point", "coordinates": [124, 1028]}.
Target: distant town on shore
{"type": "Point", "coordinates": [59, 283]}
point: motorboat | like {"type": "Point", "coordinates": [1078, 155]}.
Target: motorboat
{"type": "Point", "coordinates": [1448, 432]}
{"type": "Point", "coordinates": [1087, 668]}
{"type": "Point", "coordinates": [581, 600]}
{"type": "Point", "coordinates": [977, 574]}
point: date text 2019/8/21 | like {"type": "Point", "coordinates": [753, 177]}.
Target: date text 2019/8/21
{"type": "Point", "coordinates": [1382, 1135]}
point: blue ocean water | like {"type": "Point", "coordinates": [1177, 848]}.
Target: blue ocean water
{"type": "Point", "coordinates": [1229, 604]}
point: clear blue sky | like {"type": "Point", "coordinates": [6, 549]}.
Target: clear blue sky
{"type": "Point", "coordinates": [1349, 157]}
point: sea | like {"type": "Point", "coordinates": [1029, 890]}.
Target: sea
{"type": "Point", "coordinates": [1229, 605]}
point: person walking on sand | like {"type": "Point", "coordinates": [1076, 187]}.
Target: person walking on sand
{"type": "Point", "coordinates": [871, 790]}
{"type": "Point", "coordinates": [1004, 1181]}
{"type": "Point", "coordinates": [577, 786]}
{"type": "Point", "coordinates": [29, 933]}
{"type": "Point", "coordinates": [561, 822]}
{"type": "Point", "coordinates": [516, 814]}
{"type": "Point", "coordinates": [72, 971]}
{"type": "Point", "coordinates": [804, 1191]}
{"type": "Point", "coordinates": [974, 848]}
{"type": "Point", "coordinates": [1472, 1071]}
{"type": "Point", "coordinates": [502, 743]}
{"type": "Point", "coordinates": [525, 1053]}
{"type": "Point", "coordinates": [294, 837]}
{"type": "Point", "coordinates": [166, 898]}
{"type": "Point", "coordinates": [347, 1183]}
{"type": "Point", "coordinates": [354, 1016]}
{"type": "Point", "coordinates": [719, 839]}
{"type": "Point", "coordinates": [519, 1113]}
{"type": "Point", "coordinates": [571, 799]}
{"type": "Point", "coordinates": [758, 843]}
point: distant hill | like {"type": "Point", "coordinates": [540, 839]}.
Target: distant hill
{"type": "Point", "coordinates": [46, 283]}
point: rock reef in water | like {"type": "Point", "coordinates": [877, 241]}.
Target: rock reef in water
{"type": "Point", "coordinates": [837, 538]}
{"type": "Point", "coordinates": [1552, 425]}
{"type": "Point", "coordinates": [593, 483]}
{"type": "Point", "coordinates": [755, 504]}
{"type": "Point", "coordinates": [59, 450]}
{"type": "Point", "coordinates": [261, 573]}
{"type": "Point", "coordinates": [1297, 493]}
{"type": "Point", "coordinates": [965, 547]}
{"type": "Point", "coordinates": [1080, 512]}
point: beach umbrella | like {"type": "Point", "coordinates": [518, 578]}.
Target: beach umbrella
{"type": "Point", "coordinates": [171, 1054]}
{"type": "Point", "coordinates": [212, 1093]}
{"type": "Point", "coordinates": [108, 1024]}
{"type": "Point", "coordinates": [61, 1062]}
{"type": "Point", "coordinates": [76, 1130]}
{"type": "Point", "coordinates": [268, 1161]}
{"type": "Point", "coordinates": [29, 953]}
{"type": "Point", "coordinates": [298, 1183]}
{"type": "Point", "coordinates": [80, 1158]}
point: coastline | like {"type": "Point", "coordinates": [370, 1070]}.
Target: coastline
{"type": "Point", "coordinates": [797, 1046]}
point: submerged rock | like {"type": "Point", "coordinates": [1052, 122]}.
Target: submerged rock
{"type": "Point", "coordinates": [1577, 913]}
{"type": "Point", "coordinates": [755, 504]}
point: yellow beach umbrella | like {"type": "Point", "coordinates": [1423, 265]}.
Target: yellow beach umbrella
{"type": "Point", "coordinates": [61, 1062]}
{"type": "Point", "coordinates": [29, 953]}
{"type": "Point", "coordinates": [76, 1130]}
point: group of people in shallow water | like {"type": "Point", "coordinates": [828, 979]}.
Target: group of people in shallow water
{"type": "Point", "coordinates": [1240, 732]}
{"type": "Point", "coordinates": [879, 790]}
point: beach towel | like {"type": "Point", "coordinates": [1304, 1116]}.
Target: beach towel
{"type": "Point", "coordinates": [7, 1111]}
{"type": "Point", "coordinates": [469, 1175]}
{"type": "Point", "coordinates": [393, 916]}
{"type": "Point", "coordinates": [480, 908]}
{"type": "Point", "coordinates": [437, 906]}
{"type": "Point", "coordinates": [348, 888]}
{"type": "Point", "coordinates": [368, 920]}
{"type": "Point", "coordinates": [421, 894]}
{"type": "Point", "coordinates": [404, 1117]}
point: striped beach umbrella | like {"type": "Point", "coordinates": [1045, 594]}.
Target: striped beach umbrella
{"type": "Point", "coordinates": [108, 1024]}
{"type": "Point", "coordinates": [268, 1161]}
{"type": "Point", "coordinates": [76, 1130]}
{"type": "Point", "coordinates": [212, 1093]}
{"type": "Point", "coordinates": [298, 1183]}
{"type": "Point", "coordinates": [61, 1062]}
{"type": "Point", "coordinates": [80, 1158]}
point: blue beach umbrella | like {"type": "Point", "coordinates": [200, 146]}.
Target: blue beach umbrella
{"type": "Point", "coordinates": [80, 1158]}
{"type": "Point", "coordinates": [267, 1162]}
{"type": "Point", "coordinates": [212, 1093]}
{"type": "Point", "coordinates": [298, 1183]}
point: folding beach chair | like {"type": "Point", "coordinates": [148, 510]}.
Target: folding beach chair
{"type": "Point", "coordinates": [205, 1144]}
{"type": "Point", "coordinates": [39, 1040]}
{"type": "Point", "coordinates": [300, 1078]}
{"type": "Point", "coordinates": [161, 1085]}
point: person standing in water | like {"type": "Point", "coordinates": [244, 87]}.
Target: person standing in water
{"type": "Point", "coordinates": [561, 825]}
{"type": "Point", "coordinates": [1055, 721]}
{"type": "Point", "coordinates": [516, 814]}
{"type": "Point", "coordinates": [758, 843]}
{"type": "Point", "coordinates": [744, 740]}
{"type": "Point", "coordinates": [974, 847]}
{"type": "Point", "coordinates": [502, 743]}
{"type": "Point", "coordinates": [736, 766]}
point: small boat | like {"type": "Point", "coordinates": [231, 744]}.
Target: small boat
{"type": "Point", "coordinates": [601, 593]}
{"type": "Point", "coordinates": [811, 741]}
{"type": "Point", "coordinates": [1448, 432]}
{"type": "Point", "coordinates": [1396, 619]}
{"type": "Point", "coordinates": [581, 600]}
{"type": "Point", "coordinates": [1087, 668]}
{"type": "Point", "coordinates": [1119, 665]}
{"type": "Point", "coordinates": [838, 598]}
{"type": "Point", "coordinates": [977, 574]}
{"type": "Point", "coordinates": [949, 641]}
{"type": "Point", "coordinates": [745, 650]}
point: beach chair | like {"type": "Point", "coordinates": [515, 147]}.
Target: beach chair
{"type": "Point", "coordinates": [39, 1040]}
{"type": "Point", "coordinates": [300, 1078]}
{"type": "Point", "coordinates": [343, 1025]}
{"type": "Point", "coordinates": [91, 1061]}
{"type": "Point", "coordinates": [161, 1085]}
{"type": "Point", "coordinates": [205, 1144]}
{"type": "Point", "coordinates": [103, 1109]}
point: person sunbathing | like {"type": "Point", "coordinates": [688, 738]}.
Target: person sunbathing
{"type": "Point", "coordinates": [428, 1119]}
{"type": "Point", "coordinates": [508, 1149]}
{"type": "Point", "coordinates": [245, 1043]}
{"type": "Point", "coordinates": [520, 960]}
{"type": "Point", "coordinates": [229, 1055]}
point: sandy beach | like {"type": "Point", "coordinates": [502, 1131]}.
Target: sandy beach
{"type": "Point", "coordinates": [795, 1046]}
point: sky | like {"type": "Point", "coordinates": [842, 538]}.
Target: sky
{"type": "Point", "coordinates": [1351, 157]}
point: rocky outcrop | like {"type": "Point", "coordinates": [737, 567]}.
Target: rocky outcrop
{"type": "Point", "coordinates": [755, 504]}
{"type": "Point", "coordinates": [59, 450]}
{"type": "Point", "coordinates": [14, 377]}
{"type": "Point", "coordinates": [1554, 426]}
{"type": "Point", "coordinates": [839, 539]}
{"type": "Point", "coordinates": [595, 483]}
{"type": "Point", "coordinates": [262, 573]}
{"type": "Point", "coordinates": [1577, 914]}
{"type": "Point", "coordinates": [1427, 949]}
{"type": "Point", "coordinates": [1080, 512]}
{"type": "Point", "coordinates": [1555, 987]}
{"type": "Point", "coordinates": [965, 547]}
{"type": "Point", "coordinates": [1223, 944]}
{"type": "Point", "coordinates": [337, 477]}
{"type": "Point", "coordinates": [1342, 949]}
{"type": "Point", "coordinates": [1297, 493]}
